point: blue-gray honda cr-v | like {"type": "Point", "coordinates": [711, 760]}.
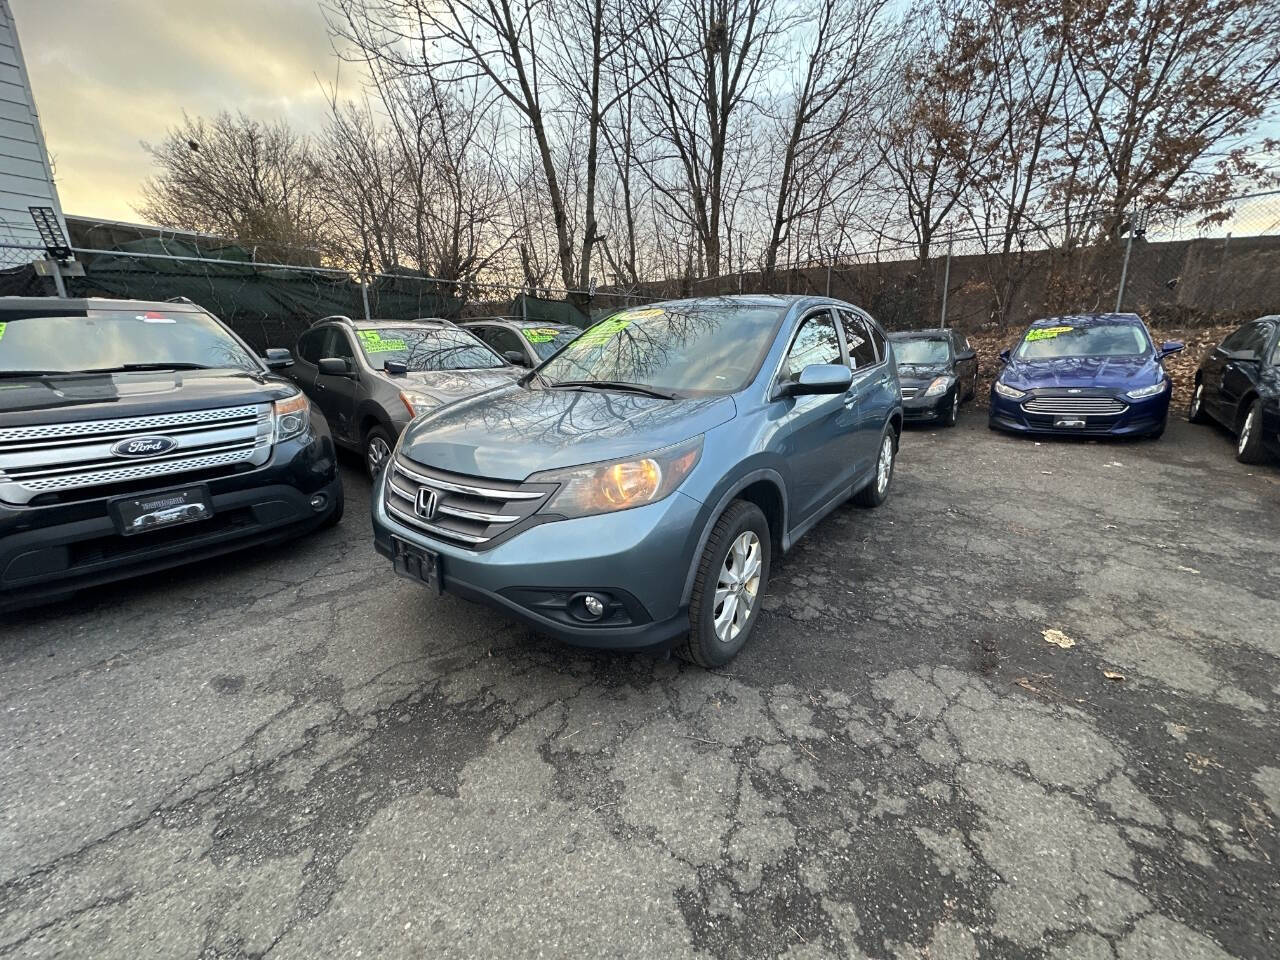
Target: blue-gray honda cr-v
{"type": "Point", "coordinates": [630, 492]}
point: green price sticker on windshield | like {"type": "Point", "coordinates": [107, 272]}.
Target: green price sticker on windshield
{"type": "Point", "coordinates": [604, 331]}
{"type": "Point", "coordinates": [540, 334]}
{"type": "Point", "coordinates": [373, 342]}
{"type": "Point", "coordinates": [1047, 333]}
{"type": "Point", "coordinates": [2, 326]}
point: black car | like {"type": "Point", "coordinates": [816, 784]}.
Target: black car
{"type": "Point", "coordinates": [524, 342]}
{"type": "Point", "coordinates": [1238, 385]}
{"type": "Point", "coordinates": [136, 436]}
{"type": "Point", "coordinates": [938, 370]}
{"type": "Point", "coordinates": [371, 377]}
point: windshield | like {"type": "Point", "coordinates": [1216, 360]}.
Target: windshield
{"type": "Point", "coordinates": [924, 351]}
{"type": "Point", "coordinates": [1084, 340]}
{"type": "Point", "coordinates": [119, 340]}
{"type": "Point", "coordinates": [547, 340]}
{"type": "Point", "coordinates": [426, 348]}
{"type": "Point", "coordinates": [698, 348]}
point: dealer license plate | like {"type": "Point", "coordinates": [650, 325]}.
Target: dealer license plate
{"type": "Point", "coordinates": [156, 511]}
{"type": "Point", "coordinates": [1071, 423]}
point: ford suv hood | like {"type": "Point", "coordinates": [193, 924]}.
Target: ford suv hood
{"type": "Point", "coordinates": [110, 395]}
{"type": "Point", "coordinates": [513, 433]}
{"type": "Point", "coordinates": [1118, 372]}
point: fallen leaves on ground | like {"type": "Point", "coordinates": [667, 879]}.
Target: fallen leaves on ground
{"type": "Point", "coordinates": [1199, 763]}
{"type": "Point", "coordinates": [1058, 638]}
{"type": "Point", "coordinates": [1113, 675]}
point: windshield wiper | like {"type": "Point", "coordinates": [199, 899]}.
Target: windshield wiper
{"type": "Point", "coordinates": [129, 367]}
{"type": "Point", "coordinates": [34, 374]}
{"type": "Point", "coordinates": [614, 385]}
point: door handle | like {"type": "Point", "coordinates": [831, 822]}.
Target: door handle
{"type": "Point", "coordinates": [850, 399]}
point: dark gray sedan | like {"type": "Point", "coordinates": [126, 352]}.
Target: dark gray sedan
{"type": "Point", "coordinates": [938, 370]}
{"type": "Point", "coordinates": [371, 377]}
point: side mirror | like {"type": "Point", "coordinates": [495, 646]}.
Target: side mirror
{"type": "Point", "coordinates": [818, 378]}
{"type": "Point", "coordinates": [397, 368]}
{"type": "Point", "coordinates": [516, 357]}
{"type": "Point", "coordinates": [1005, 356]}
{"type": "Point", "coordinates": [1170, 347]}
{"type": "Point", "coordinates": [334, 367]}
{"type": "Point", "coordinates": [278, 358]}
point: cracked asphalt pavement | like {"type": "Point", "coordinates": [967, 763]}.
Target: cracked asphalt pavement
{"type": "Point", "coordinates": [295, 754]}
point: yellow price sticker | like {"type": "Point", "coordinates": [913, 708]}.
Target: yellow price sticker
{"type": "Point", "coordinates": [540, 334]}
{"type": "Point", "coordinates": [1046, 333]}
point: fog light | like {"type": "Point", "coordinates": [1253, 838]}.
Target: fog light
{"type": "Point", "coordinates": [594, 606]}
{"type": "Point", "coordinates": [318, 502]}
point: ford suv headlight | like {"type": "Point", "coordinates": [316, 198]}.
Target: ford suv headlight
{"type": "Point", "coordinates": [620, 484]}
{"type": "Point", "coordinates": [939, 386]}
{"type": "Point", "coordinates": [1007, 391]}
{"type": "Point", "coordinates": [291, 416]}
{"type": "Point", "coordinates": [1150, 391]}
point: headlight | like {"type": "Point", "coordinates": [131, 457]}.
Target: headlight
{"type": "Point", "coordinates": [939, 386]}
{"type": "Point", "coordinates": [292, 416]}
{"type": "Point", "coordinates": [1007, 391]}
{"type": "Point", "coordinates": [620, 484]}
{"type": "Point", "coordinates": [417, 403]}
{"type": "Point", "coordinates": [1150, 391]}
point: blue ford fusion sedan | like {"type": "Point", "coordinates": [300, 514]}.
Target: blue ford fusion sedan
{"type": "Point", "coordinates": [1091, 374]}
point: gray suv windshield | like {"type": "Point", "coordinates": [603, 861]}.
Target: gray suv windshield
{"type": "Point", "coordinates": [432, 348]}
{"type": "Point", "coordinates": [119, 340]}
{"type": "Point", "coordinates": [696, 348]}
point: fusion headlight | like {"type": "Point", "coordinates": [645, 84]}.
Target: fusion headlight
{"type": "Point", "coordinates": [292, 416]}
{"type": "Point", "coordinates": [620, 484]}
{"type": "Point", "coordinates": [1150, 391]}
{"type": "Point", "coordinates": [1007, 391]}
{"type": "Point", "coordinates": [417, 403]}
{"type": "Point", "coordinates": [939, 386]}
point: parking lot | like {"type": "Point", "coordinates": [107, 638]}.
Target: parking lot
{"type": "Point", "coordinates": [296, 754]}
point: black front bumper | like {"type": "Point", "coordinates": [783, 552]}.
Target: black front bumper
{"type": "Point", "coordinates": [49, 551]}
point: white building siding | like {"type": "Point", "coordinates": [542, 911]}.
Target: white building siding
{"type": "Point", "coordinates": [26, 178]}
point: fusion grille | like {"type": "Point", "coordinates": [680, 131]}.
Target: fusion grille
{"type": "Point", "coordinates": [1076, 406]}
{"type": "Point", "coordinates": [465, 510]}
{"type": "Point", "coordinates": [78, 456]}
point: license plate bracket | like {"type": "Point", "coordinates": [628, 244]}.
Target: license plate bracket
{"type": "Point", "coordinates": [160, 510]}
{"type": "Point", "coordinates": [1070, 423]}
{"type": "Point", "coordinates": [417, 564]}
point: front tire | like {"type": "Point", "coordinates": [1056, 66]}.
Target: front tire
{"type": "Point", "coordinates": [1195, 412]}
{"type": "Point", "coordinates": [1249, 447]}
{"type": "Point", "coordinates": [732, 576]}
{"type": "Point", "coordinates": [952, 416]}
{"type": "Point", "coordinates": [377, 451]}
{"type": "Point", "coordinates": [877, 491]}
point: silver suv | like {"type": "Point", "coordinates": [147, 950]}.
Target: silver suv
{"type": "Point", "coordinates": [371, 377]}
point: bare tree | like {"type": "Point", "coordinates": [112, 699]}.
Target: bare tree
{"type": "Point", "coordinates": [237, 177]}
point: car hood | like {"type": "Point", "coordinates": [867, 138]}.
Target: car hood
{"type": "Point", "coordinates": [1124, 372]}
{"type": "Point", "coordinates": [512, 433]}
{"type": "Point", "coordinates": [144, 393]}
{"type": "Point", "coordinates": [915, 374]}
{"type": "Point", "coordinates": [449, 385]}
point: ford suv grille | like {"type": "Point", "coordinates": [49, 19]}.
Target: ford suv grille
{"type": "Point", "coordinates": [79, 457]}
{"type": "Point", "coordinates": [466, 510]}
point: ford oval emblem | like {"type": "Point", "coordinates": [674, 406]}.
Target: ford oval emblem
{"type": "Point", "coordinates": [143, 446]}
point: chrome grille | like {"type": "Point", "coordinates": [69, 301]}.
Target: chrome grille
{"type": "Point", "coordinates": [77, 456]}
{"type": "Point", "coordinates": [909, 392]}
{"type": "Point", "coordinates": [467, 510]}
{"type": "Point", "coordinates": [1076, 406]}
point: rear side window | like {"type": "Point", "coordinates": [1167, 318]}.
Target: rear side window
{"type": "Point", "coordinates": [816, 342]}
{"type": "Point", "coordinates": [858, 337]}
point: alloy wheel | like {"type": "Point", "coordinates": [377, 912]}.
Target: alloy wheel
{"type": "Point", "coordinates": [1246, 431]}
{"type": "Point", "coordinates": [737, 587]}
{"type": "Point", "coordinates": [377, 455]}
{"type": "Point", "coordinates": [884, 467]}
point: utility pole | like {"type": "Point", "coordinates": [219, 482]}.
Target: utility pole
{"type": "Point", "coordinates": [1137, 228]}
{"type": "Point", "coordinates": [946, 282]}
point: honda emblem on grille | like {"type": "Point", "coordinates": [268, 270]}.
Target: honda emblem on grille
{"type": "Point", "coordinates": [426, 505]}
{"type": "Point", "coordinates": [143, 446]}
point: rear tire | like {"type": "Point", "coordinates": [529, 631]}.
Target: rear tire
{"type": "Point", "coordinates": [877, 491]}
{"type": "Point", "coordinates": [1249, 447]}
{"type": "Point", "coordinates": [1195, 411]}
{"type": "Point", "coordinates": [733, 570]}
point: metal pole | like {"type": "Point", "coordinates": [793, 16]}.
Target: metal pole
{"type": "Point", "coordinates": [828, 278]}
{"type": "Point", "coordinates": [58, 283]}
{"type": "Point", "coordinates": [1124, 270]}
{"type": "Point", "coordinates": [364, 295]}
{"type": "Point", "coordinates": [946, 282]}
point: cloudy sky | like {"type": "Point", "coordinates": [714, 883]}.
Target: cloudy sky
{"type": "Point", "coordinates": [109, 74]}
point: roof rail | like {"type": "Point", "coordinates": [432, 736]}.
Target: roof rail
{"type": "Point", "coordinates": [342, 318]}
{"type": "Point", "coordinates": [180, 300]}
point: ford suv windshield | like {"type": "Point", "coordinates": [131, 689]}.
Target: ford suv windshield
{"type": "Point", "coordinates": [118, 340]}
{"type": "Point", "coordinates": [695, 348]}
{"type": "Point", "coordinates": [426, 348]}
{"type": "Point", "coordinates": [1084, 340]}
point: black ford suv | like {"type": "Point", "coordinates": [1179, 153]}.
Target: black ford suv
{"type": "Point", "coordinates": [136, 436]}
